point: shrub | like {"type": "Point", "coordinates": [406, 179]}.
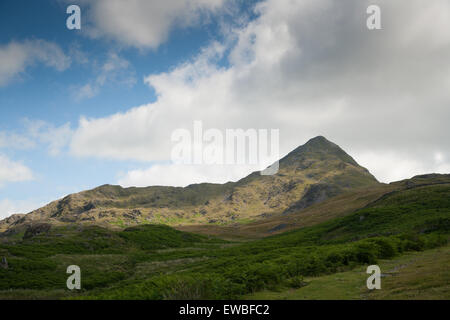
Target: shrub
{"type": "Point", "coordinates": [366, 253]}
{"type": "Point", "coordinates": [296, 282]}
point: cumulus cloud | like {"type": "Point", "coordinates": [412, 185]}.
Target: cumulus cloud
{"type": "Point", "coordinates": [16, 57]}
{"type": "Point", "coordinates": [11, 171]}
{"type": "Point", "coordinates": [143, 23]}
{"type": "Point", "coordinates": [307, 67]}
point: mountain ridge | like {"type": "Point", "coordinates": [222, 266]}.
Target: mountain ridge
{"type": "Point", "coordinates": [309, 174]}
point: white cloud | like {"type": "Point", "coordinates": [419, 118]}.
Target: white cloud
{"type": "Point", "coordinates": [143, 23]}
{"type": "Point", "coordinates": [9, 207]}
{"type": "Point", "coordinates": [11, 171]}
{"type": "Point", "coordinates": [391, 166]}
{"type": "Point", "coordinates": [36, 133]}
{"type": "Point", "coordinates": [183, 175]}
{"type": "Point", "coordinates": [86, 91]}
{"type": "Point", "coordinates": [16, 141]}
{"type": "Point", "coordinates": [307, 67]}
{"type": "Point", "coordinates": [16, 57]}
{"type": "Point", "coordinates": [55, 138]}
{"type": "Point", "coordinates": [144, 132]}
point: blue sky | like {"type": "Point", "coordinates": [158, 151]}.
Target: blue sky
{"type": "Point", "coordinates": [42, 93]}
{"type": "Point", "coordinates": [82, 108]}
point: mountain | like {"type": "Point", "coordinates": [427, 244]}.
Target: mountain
{"type": "Point", "coordinates": [326, 218]}
{"type": "Point", "coordinates": [395, 229]}
{"type": "Point", "coordinates": [310, 174]}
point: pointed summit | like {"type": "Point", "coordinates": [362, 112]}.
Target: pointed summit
{"type": "Point", "coordinates": [318, 140]}
{"type": "Point", "coordinates": [320, 143]}
{"type": "Point", "coordinates": [318, 148]}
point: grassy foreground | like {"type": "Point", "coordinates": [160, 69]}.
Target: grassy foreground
{"type": "Point", "coordinates": [414, 275]}
{"type": "Point", "coordinates": [158, 262]}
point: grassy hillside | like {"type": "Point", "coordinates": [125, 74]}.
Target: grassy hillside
{"type": "Point", "coordinates": [158, 262]}
{"type": "Point", "coordinates": [308, 175]}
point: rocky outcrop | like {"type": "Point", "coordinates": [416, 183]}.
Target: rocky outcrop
{"type": "Point", "coordinates": [37, 229]}
{"type": "Point", "coordinates": [315, 193]}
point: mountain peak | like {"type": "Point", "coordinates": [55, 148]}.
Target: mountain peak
{"type": "Point", "coordinates": [319, 142]}
{"type": "Point", "coordinates": [318, 139]}
{"type": "Point", "coordinates": [318, 148]}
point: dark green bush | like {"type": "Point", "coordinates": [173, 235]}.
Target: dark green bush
{"type": "Point", "coordinates": [296, 282]}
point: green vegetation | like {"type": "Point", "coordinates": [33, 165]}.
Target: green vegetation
{"type": "Point", "coordinates": [414, 275]}
{"type": "Point", "coordinates": [104, 256]}
{"type": "Point", "coordinates": [158, 262]}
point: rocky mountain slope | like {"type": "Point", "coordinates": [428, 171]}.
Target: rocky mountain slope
{"type": "Point", "coordinates": [310, 174]}
{"type": "Point", "coordinates": [335, 207]}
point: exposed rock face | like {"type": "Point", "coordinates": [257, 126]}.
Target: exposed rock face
{"type": "Point", "coordinates": [315, 193]}
{"type": "Point", "coordinates": [12, 220]}
{"type": "Point", "coordinates": [133, 214]}
{"type": "Point", "coordinates": [278, 228]}
{"type": "Point", "coordinates": [308, 175]}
